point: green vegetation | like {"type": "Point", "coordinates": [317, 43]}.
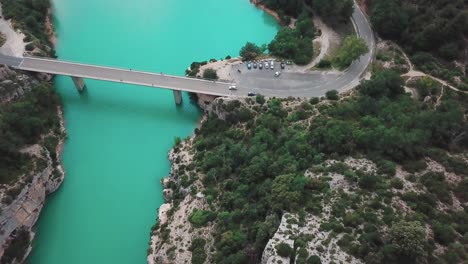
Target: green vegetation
{"type": "Point", "coordinates": [284, 250]}
{"type": "Point", "coordinates": [200, 218]}
{"type": "Point", "coordinates": [2, 39]}
{"type": "Point", "coordinates": [198, 251]}
{"type": "Point", "coordinates": [332, 95]}
{"type": "Point", "coordinates": [352, 48]}
{"type": "Point", "coordinates": [295, 44]}
{"type": "Point", "coordinates": [433, 33]}
{"type": "Point", "coordinates": [252, 162]}
{"type": "Point", "coordinates": [333, 11]}
{"type": "Point", "coordinates": [194, 68]}
{"type": "Point", "coordinates": [17, 247]}
{"type": "Point", "coordinates": [210, 74]}
{"type": "Point", "coordinates": [22, 123]}
{"type": "Point", "coordinates": [30, 16]}
{"type": "Point", "coordinates": [250, 51]}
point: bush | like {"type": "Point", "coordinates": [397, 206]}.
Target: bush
{"type": "Point", "coordinates": [436, 184]}
{"type": "Point", "coordinates": [332, 95]}
{"type": "Point", "coordinates": [250, 51]}
{"type": "Point", "coordinates": [314, 260]}
{"type": "Point", "coordinates": [443, 233]}
{"type": "Point", "coordinates": [324, 64]}
{"type": "Point", "coordinates": [314, 100]}
{"type": "Point", "coordinates": [260, 99]}
{"type": "Point", "coordinates": [200, 218]}
{"type": "Point", "coordinates": [198, 251]}
{"type": "Point", "coordinates": [386, 167]}
{"type": "Point", "coordinates": [284, 250]}
{"type": "Point", "coordinates": [210, 74]}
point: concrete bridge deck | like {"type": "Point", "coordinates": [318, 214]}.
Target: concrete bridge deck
{"type": "Point", "coordinates": [313, 83]}
{"type": "Point", "coordinates": [156, 80]}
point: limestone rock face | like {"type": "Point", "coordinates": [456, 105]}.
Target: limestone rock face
{"type": "Point", "coordinates": [25, 209]}
{"type": "Point", "coordinates": [13, 84]}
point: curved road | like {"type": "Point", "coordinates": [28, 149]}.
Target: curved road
{"type": "Point", "coordinates": [314, 83]}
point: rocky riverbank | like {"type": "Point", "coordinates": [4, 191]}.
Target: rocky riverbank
{"type": "Point", "coordinates": [23, 199]}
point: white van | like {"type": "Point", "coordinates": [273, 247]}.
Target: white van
{"type": "Point", "coordinates": [272, 65]}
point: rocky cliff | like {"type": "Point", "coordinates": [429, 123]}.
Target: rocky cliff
{"type": "Point", "coordinates": [23, 199]}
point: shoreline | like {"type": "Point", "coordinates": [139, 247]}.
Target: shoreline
{"type": "Point", "coordinates": [267, 10]}
{"type": "Point", "coordinates": [25, 210]}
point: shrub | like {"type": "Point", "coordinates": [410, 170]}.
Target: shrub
{"type": "Point", "coordinates": [314, 260]}
{"type": "Point", "coordinates": [443, 233]}
{"type": "Point", "coordinates": [324, 64]}
{"type": "Point", "coordinates": [250, 51]}
{"type": "Point", "coordinates": [260, 99]}
{"type": "Point", "coordinates": [386, 167]}
{"type": "Point", "coordinates": [200, 218]}
{"type": "Point", "coordinates": [210, 74]}
{"type": "Point", "coordinates": [332, 95]}
{"type": "Point", "coordinates": [284, 250]}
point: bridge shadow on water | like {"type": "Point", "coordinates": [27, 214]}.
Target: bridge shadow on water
{"type": "Point", "coordinates": [130, 100]}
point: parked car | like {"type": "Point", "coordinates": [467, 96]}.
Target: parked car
{"type": "Point", "coordinates": [272, 65]}
{"type": "Point", "coordinates": [251, 94]}
{"type": "Point", "coordinates": [282, 65]}
{"type": "Point", "coordinates": [267, 66]}
{"type": "Point", "coordinates": [255, 65]}
{"type": "Point", "coordinates": [277, 74]}
{"type": "Point", "coordinates": [232, 88]}
{"type": "Point", "coordinates": [260, 65]}
{"type": "Point", "coordinates": [249, 66]}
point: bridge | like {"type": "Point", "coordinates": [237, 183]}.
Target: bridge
{"type": "Point", "coordinates": [290, 83]}
{"type": "Point", "coordinates": [78, 71]}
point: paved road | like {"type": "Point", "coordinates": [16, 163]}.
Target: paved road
{"type": "Point", "coordinates": [156, 80]}
{"type": "Point", "coordinates": [315, 83]}
{"type": "Point", "coordinates": [262, 82]}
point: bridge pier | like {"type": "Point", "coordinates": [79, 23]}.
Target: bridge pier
{"type": "Point", "coordinates": [177, 96]}
{"type": "Point", "coordinates": [79, 83]}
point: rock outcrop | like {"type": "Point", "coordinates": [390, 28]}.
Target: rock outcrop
{"type": "Point", "coordinates": [172, 236]}
{"type": "Point", "coordinates": [23, 200]}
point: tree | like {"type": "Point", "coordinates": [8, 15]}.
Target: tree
{"type": "Point", "coordinates": [250, 51]}
{"type": "Point", "coordinates": [384, 83]}
{"type": "Point", "coordinates": [408, 240]}
{"type": "Point", "coordinates": [352, 48]}
{"type": "Point", "coordinates": [286, 191]}
{"type": "Point", "coordinates": [334, 11]}
{"type": "Point", "coordinates": [388, 18]}
{"type": "Point", "coordinates": [284, 44]}
{"type": "Point", "coordinates": [284, 250]}
{"type": "Point", "coordinates": [332, 95]}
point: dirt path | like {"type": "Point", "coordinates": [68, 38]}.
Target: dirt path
{"type": "Point", "coordinates": [417, 74]}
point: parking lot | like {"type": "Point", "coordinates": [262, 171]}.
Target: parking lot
{"type": "Point", "coordinates": [263, 81]}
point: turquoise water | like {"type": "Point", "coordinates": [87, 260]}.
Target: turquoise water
{"type": "Point", "coordinates": [119, 135]}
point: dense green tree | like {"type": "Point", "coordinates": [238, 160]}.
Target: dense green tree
{"type": "Point", "coordinates": [352, 48]}
{"type": "Point", "coordinates": [295, 44]}
{"type": "Point", "coordinates": [408, 240]}
{"type": "Point", "coordinates": [334, 11]}
{"type": "Point", "coordinates": [385, 83]}
{"type": "Point", "coordinates": [210, 74]}
{"type": "Point", "coordinates": [389, 18]}
{"type": "Point", "coordinates": [250, 51]}
{"type": "Point", "coordinates": [284, 250]}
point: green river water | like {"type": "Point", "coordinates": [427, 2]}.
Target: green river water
{"type": "Point", "coordinates": [119, 135]}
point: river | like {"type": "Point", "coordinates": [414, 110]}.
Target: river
{"type": "Point", "coordinates": [119, 135]}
